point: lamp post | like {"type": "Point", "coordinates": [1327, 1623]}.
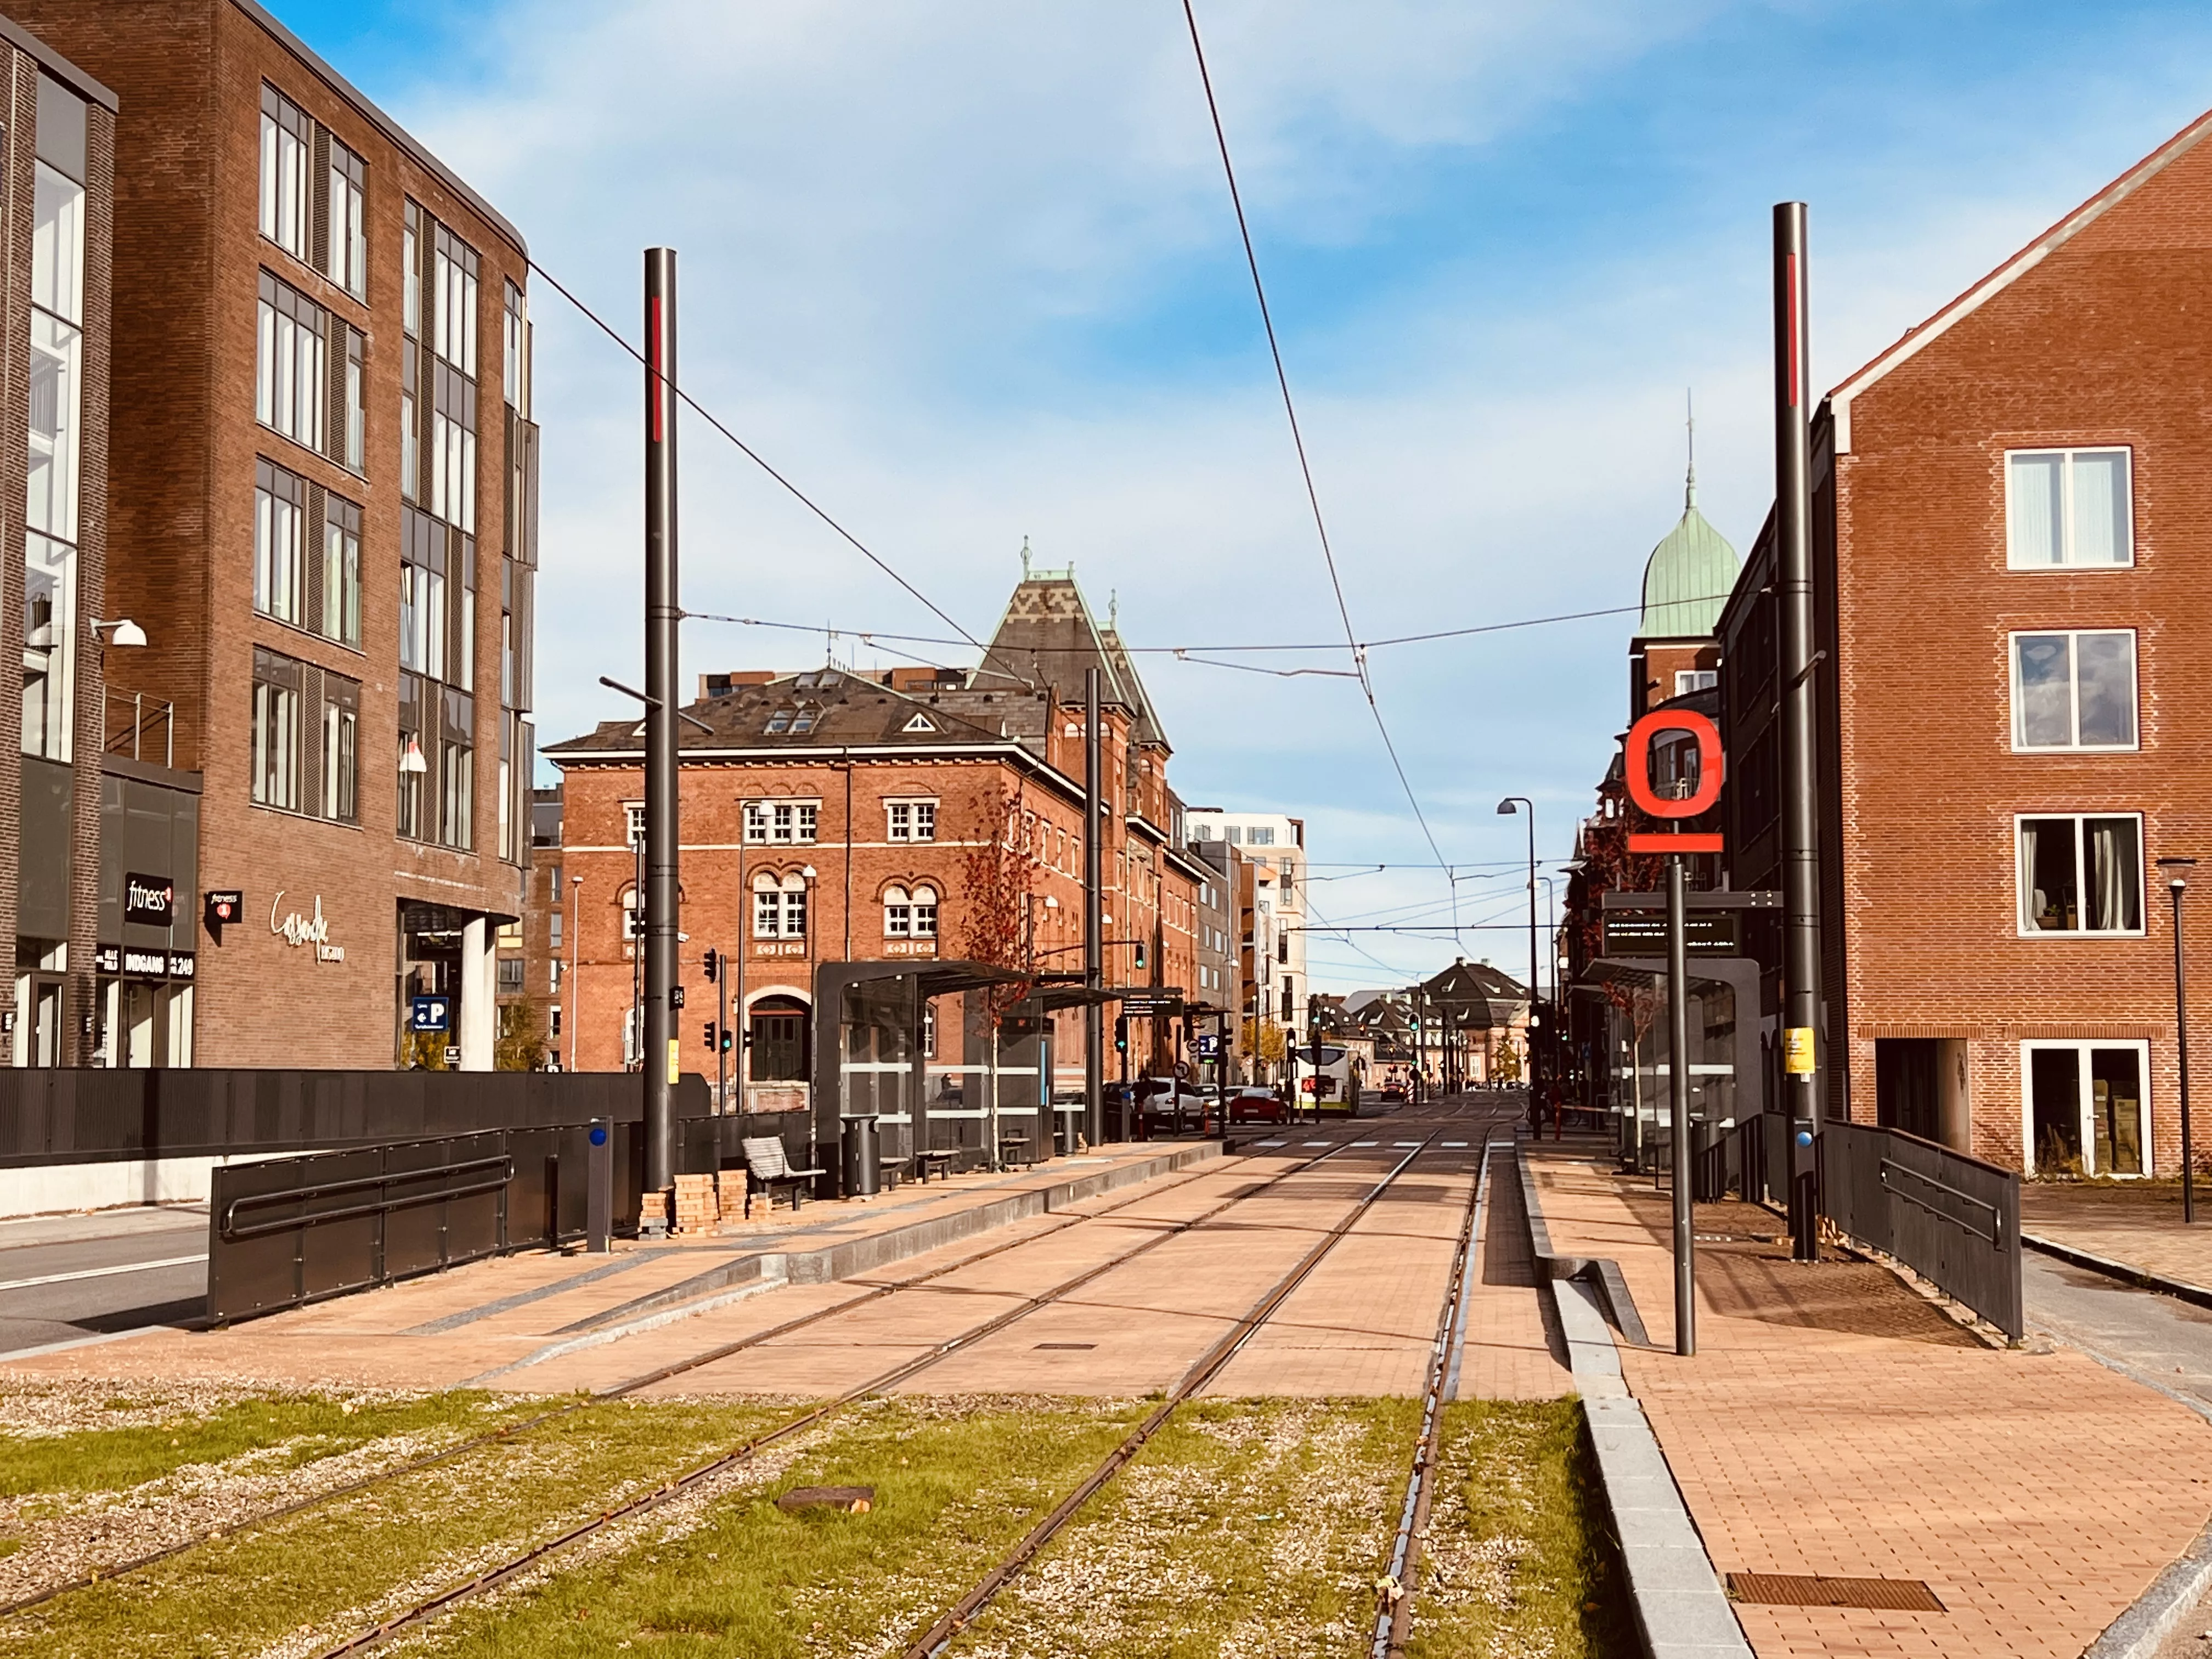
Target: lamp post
{"type": "Point", "coordinates": [2176, 884]}
{"type": "Point", "coordinates": [1505, 810]}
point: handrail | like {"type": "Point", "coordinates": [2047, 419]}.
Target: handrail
{"type": "Point", "coordinates": [1995, 1233]}
{"type": "Point", "coordinates": [503, 1164]}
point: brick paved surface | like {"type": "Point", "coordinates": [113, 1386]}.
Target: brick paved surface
{"type": "Point", "coordinates": [1833, 1423]}
{"type": "Point", "coordinates": [2138, 1222]}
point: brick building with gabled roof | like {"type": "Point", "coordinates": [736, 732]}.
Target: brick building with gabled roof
{"type": "Point", "coordinates": [834, 816]}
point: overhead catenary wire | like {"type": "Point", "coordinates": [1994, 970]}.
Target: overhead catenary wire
{"type": "Point", "coordinates": [1298, 438]}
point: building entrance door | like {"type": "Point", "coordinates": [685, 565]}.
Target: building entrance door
{"type": "Point", "coordinates": [2088, 1111]}
{"type": "Point", "coordinates": [1904, 1085]}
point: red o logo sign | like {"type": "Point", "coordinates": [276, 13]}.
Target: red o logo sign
{"type": "Point", "coordinates": [1711, 765]}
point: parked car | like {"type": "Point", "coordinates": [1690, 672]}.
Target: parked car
{"type": "Point", "coordinates": [1255, 1104]}
{"type": "Point", "coordinates": [1164, 1103]}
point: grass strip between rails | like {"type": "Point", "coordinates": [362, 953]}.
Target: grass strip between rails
{"type": "Point", "coordinates": [1518, 1559]}
{"type": "Point", "coordinates": [957, 1482]}
{"type": "Point", "coordinates": [306, 1426]}
{"type": "Point", "coordinates": [323, 1568]}
{"type": "Point", "coordinates": [1245, 1526]}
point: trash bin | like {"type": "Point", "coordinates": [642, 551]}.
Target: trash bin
{"type": "Point", "coordinates": [863, 1157]}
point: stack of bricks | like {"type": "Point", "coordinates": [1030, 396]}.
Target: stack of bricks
{"type": "Point", "coordinates": [731, 1185]}
{"type": "Point", "coordinates": [696, 1210]}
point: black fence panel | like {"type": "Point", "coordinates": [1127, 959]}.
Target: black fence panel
{"type": "Point", "coordinates": [93, 1115]}
{"type": "Point", "coordinates": [287, 1231]}
{"type": "Point", "coordinates": [1953, 1219]}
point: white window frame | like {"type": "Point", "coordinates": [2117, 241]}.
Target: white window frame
{"type": "Point", "coordinates": [1699, 679]}
{"type": "Point", "coordinates": [634, 822]}
{"type": "Point", "coordinates": [2023, 881]}
{"type": "Point", "coordinates": [779, 906]}
{"type": "Point", "coordinates": [924, 912]}
{"type": "Point", "coordinates": [908, 817]}
{"type": "Point", "coordinates": [2083, 1046]}
{"type": "Point", "coordinates": [898, 913]}
{"type": "Point", "coordinates": [782, 822]}
{"type": "Point", "coordinates": [2019, 746]}
{"type": "Point", "coordinates": [2066, 505]}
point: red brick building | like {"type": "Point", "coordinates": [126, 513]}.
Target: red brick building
{"type": "Point", "coordinates": [2012, 523]}
{"type": "Point", "coordinates": [831, 816]}
{"type": "Point", "coordinates": [321, 510]}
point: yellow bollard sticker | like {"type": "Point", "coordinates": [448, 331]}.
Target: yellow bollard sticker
{"type": "Point", "coordinates": [1797, 1051]}
{"type": "Point", "coordinates": [675, 1061]}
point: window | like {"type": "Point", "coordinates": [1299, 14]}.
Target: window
{"type": "Point", "coordinates": [347, 259]}
{"type": "Point", "coordinates": [2086, 1107]}
{"type": "Point", "coordinates": [803, 720]}
{"type": "Point", "coordinates": [305, 735]}
{"type": "Point", "coordinates": [511, 970]}
{"type": "Point", "coordinates": [633, 915]}
{"type": "Point", "coordinates": [769, 822]}
{"type": "Point", "coordinates": [553, 930]}
{"type": "Point", "coordinates": [290, 375]}
{"type": "Point", "coordinates": [779, 907]}
{"type": "Point", "coordinates": [1260, 835]}
{"type": "Point", "coordinates": [423, 615]}
{"type": "Point", "coordinates": [634, 822]}
{"type": "Point", "coordinates": [925, 913]}
{"type": "Point", "coordinates": [779, 722]}
{"type": "Point", "coordinates": [2081, 875]}
{"type": "Point", "coordinates": [2067, 506]}
{"type": "Point", "coordinates": [2074, 690]}
{"type": "Point", "coordinates": [410, 270]}
{"type": "Point", "coordinates": [453, 289]}
{"type": "Point", "coordinates": [913, 820]}
{"type": "Point", "coordinates": [49, 646]}
{"type": "Point", "coordinates": [512, 349]}
{"type": "Point", "coordinates": [279, 501]}
{"type": "Point", "coordinates": [287, 136]}
{"type": "Point", "coordinates": [1687, 680]}
{"type": "Point", "coordinates": [1234, 834]}
{"type": "Point", "coordinates": [457, 771]}
{"type": "Point", "coordinates": [898, 913]}
{"type": "Point", "coordinates": [341, 572]}
{"type": "Point", "coordinates": [414, 758]}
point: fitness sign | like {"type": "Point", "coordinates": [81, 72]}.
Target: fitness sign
{"type": "Point", "coordinates": [1711, 766]}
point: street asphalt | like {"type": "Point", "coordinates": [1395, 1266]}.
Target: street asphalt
{"type": "Point", "coordinates": [2157, 1339]}
{"type": "Point", "coordinates": [63, 1277]}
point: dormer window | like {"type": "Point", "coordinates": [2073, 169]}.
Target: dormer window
{"type": "Point", "coordinates": [779, 722]}
{"type": "Point", "coordinates": [919, 723]}
{"type": "Point", "coordinates": [802, 722]}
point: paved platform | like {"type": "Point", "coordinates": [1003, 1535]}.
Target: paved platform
{"type": "Point", "coordinates": [2137, 1223]}
{"type": "Point", "coordinates": [446, 1329]}
{"type": "Point", "coordinates": [1833, 1423]}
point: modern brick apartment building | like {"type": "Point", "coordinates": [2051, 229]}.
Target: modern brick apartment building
{"type": "Point", "coordinates": [322, 509]}
{"type": "Point", "coordinates": [829, 816]}
{"type": "Point", "coordinates": [58, 139]}
{"type": "Point", "coordinates": [2013, 522]}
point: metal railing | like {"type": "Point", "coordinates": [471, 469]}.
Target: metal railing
{"type": "Point", "coordinates": [140, 714]}
{"type": "Point", "coordinates": [1953, 1219]}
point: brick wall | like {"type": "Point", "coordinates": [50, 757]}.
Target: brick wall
{"type": "Point", "coordinates": [2101, 342]}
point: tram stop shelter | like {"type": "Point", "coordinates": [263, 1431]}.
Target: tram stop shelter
{"type": "Point", "coordinates": [1727, 1058]}
{"type": "Point", "coordinates": [936, 1074]}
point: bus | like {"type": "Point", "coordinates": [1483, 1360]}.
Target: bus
{"type": "Point", "coordinates": [1329, 1077]}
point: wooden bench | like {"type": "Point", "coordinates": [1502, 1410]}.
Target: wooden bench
{"type": "Point", "coordinates": [768, 1167]}
{"type": "Point", "coordinates": [941, 1162]}
{"type": "Point", "coordinates": [1015, 1149]}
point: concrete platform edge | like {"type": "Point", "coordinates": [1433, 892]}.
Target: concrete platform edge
{"type": "Point", "coordinates": [1681, 1610]}
{"type": "Point", "coordinates": [2139, 1632]}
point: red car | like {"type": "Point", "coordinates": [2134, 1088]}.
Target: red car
{"type": "Point", "coordinates": [1257, 1105]}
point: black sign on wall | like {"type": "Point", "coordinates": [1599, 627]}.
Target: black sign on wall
{"type": "Point", "coordinates": [150, 899]}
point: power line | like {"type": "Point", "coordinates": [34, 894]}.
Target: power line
{"type": "Point", "coordinates": [1298, 438]}
{"type": "Point", "coordinates": [759, 460]}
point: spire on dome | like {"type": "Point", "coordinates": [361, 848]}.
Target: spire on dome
{"type": "Point", "coordinates": [1690, 481]}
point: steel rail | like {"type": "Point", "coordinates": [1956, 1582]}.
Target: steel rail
{"type": "Point", "coordinates": [1210, 1365]}
{"type": "Point", "coordinates": [508, 1432]}
{"type": "Point", "coordinates": [443, 1601]}
{"type": "Point", "coordinates": [1393, 1611]}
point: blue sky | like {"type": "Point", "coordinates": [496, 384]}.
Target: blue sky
{"type": "Point", "coordinates": [967, 273]}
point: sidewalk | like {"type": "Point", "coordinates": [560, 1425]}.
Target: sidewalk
{"type": "Point", "coordinates": [2137, 1223]}
{"type": "Point", "coordinates": [1835, 1424]}
{"type": "Point", "coordinates": [444, 1329]}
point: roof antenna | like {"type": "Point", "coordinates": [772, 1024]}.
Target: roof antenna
{"type": "Point", "coordinates": [1113, 607]}
{"type": "Point", "coordinates": [1689, 482]}
{"type": "Point", "coordinates": [1025, 558]}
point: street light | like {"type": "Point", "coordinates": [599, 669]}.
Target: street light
{"type": "Point", "coordinates": [2177, 886]}
{"type": "Point", "coordinates": [1505, 810]}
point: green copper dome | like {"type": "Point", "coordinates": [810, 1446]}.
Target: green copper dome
{"type": "Point", "coordinates": [1687, 578]}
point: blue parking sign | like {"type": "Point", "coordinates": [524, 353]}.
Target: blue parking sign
{"type": "Point", "coordinates": [430, 1014]}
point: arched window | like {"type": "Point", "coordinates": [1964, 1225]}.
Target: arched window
{"type": "Point", "coordinates": [779, 905]}
{"type": "Point", "coordinates": [779, 1051]}
{"type": "Point", "coordinates": [898, 913]}
{"type": "Point", "coordinates": [633, 915]}
{"type": "Point", "coordinates": [925, 913]}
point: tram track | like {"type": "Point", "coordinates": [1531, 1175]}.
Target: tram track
{"type": "Point", "coordinates": [524, 1562]}
{"type": "Point", "coordinates": [508, 1432]}
{"type": "Point", "coordinates": [1209, 1365]}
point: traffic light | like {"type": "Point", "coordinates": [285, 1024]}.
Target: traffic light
{"type": "Point", "coordinates": [1141, 956]}
{"type": "Point", "coordinates": [729, 1039]}
{"type": "Point", "coordinates": [709, 1038]}
{"type": "Point", "coordinates": [709, 963]}
{"type": "Point", "coordinates": [1122, 1033]}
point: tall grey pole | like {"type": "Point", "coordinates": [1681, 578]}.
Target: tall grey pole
{"type": "Point", "coordinates": [1801, 887]}
{"type": "Point", "coordinates": [1678, 1091]}
{"type": "Point", "coordinates": [661, 613]}
{"type": "Point", "coordinates": [2177, 886]}
{"type": "Point", "coordinates": [1094, 939]}
{"type": "Point", "coordinates": [572, 1002]}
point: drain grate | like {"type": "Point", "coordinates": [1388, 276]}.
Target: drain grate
{"type": "Point", "coordinates": [1069, 1347]}
{"type": "Point", "coordinates": [1792, 1590]}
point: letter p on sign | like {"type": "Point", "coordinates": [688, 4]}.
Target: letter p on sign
{"type": "Point", "coordinates": [1636, 762]}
